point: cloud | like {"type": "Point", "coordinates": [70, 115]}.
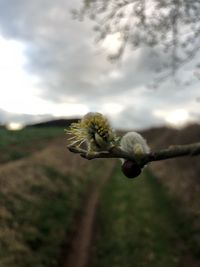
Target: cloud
{"type": "Point", "coordinates": [8, 117]}
{"type": "Point", "coordinates": [60, 50]}
{"type": "Point", "coordinates": [72, 70]}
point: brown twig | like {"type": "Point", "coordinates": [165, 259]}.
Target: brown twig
{"type": "Point", "coordinates": [116, 152]}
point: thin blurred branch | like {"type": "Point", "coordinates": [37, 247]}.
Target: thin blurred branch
{"type": "Point", "coordinates": [171, 26]}
{"type": "Point", "coordinates": [116, 152]}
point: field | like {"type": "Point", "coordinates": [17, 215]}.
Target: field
{"type": "Point", "coordinates": [57, 209]}
{"type": "Point", "coordinates": [138, 225]}
{"type": "Point", "coordinates": [18, 144]}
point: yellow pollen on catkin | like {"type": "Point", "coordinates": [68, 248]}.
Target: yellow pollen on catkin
{"type": "Point", "coordinates": [86, 129]}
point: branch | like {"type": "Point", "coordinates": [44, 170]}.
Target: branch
{"type": "Point", "coordinates": [116, 152]}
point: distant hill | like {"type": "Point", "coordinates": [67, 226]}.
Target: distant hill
{"type": "Point", "coordinates": [54, 123]}
{"type": "Point", "coordinates": [162, 137]}
{"type": "Point", "coordinates": [180, 175]}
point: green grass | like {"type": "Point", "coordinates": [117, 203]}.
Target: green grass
{"type": "Point", "coordinates": [18, 144]}
{"type": "Point", "coordinates": [37, 217]}
{"type": "Point", "coordinates": [138, 225]}
{"type": "Point", "coordinates": [40, 219]}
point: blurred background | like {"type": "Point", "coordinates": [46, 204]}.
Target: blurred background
{"type": "Point", "coordinates": [136, 62]}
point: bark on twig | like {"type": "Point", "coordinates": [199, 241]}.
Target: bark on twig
{"type": "Point", "coordinates": [116, 152]}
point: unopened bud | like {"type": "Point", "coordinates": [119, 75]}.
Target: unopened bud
{"type": "Point", "coordinates": [131, 169]}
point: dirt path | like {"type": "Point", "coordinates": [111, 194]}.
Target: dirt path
{"type": "Point", "coordinates": [78, 253]}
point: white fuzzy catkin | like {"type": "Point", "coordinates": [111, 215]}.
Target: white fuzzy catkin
{"type": "Point", "coordinates": [132, 140]}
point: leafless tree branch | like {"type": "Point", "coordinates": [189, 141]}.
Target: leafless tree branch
{"type": "Point", "coordinates": [116, 152]}
{"type": "Point", "coordinates": [171, 26]}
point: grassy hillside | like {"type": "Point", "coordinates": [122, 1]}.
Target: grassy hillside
{"type": "Point", "coordinates": [39, 197]}
{"type": "Point", "coordinates": [18, 144]}
{"type": "Point", "coordinates": [141, 222]}
{"type": "Point", "coordinates": [180, 176]}
{"type": "Point", "coordinates": [138, 225]}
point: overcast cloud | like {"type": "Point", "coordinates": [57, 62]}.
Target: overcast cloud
{"type": "Point", "coordinates": [71, 69]}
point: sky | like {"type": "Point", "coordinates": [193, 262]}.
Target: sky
{"type": "Point", "coordinates": [51, 67]}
